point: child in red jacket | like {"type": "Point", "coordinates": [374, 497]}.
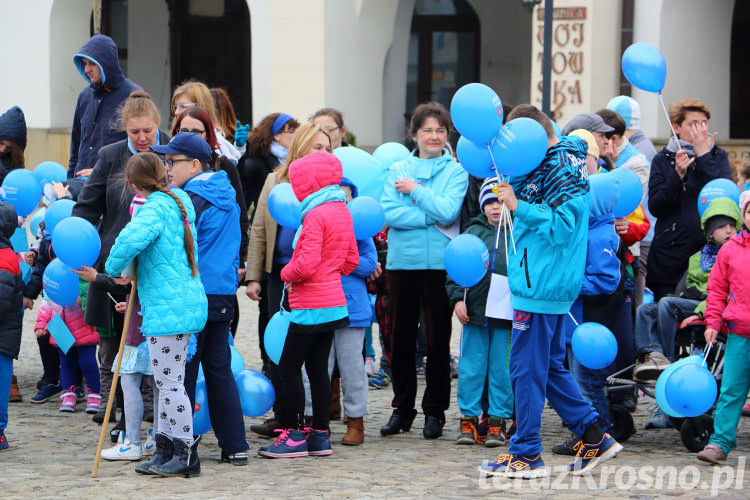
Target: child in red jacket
{"type": "Point", "coordinates": [728, 304]}
{"type": "Point", "coordinates": [324, 249]}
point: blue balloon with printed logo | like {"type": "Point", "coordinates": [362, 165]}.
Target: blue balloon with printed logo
{"type": "Point", "coordinates": [201, 417]}
{"type": "Point", "coordinates": [367, 217]}
{"type": "Point", "coordinates": [237, 363]}
{"type": "Point", "coordinates": [717, 188]}
{"type": "Point", "coordinates": [256, 393]}
{"type": "Point", "coordinates": [594, 345]}
{"type": "Point", "coordinates": [365, 172]}
{"type": "Point", "coordinates": [284, 206]}
{"type": "Point", "coordinates": [76, 242]}
{"type": "Point", "coordinates": [475, 158]}
{"type": "Point", "coordinates": [390, 152]}
{"type": "Point", "coordinates": [22, 190]}
{"type": "Point", "coordinates": [691, 390]}
{"type": "Point", "coordinates": [50, 171]}
{"type": "Point", "coordinates": [60, 283]}
{"type": "Point", "coordinates": [644, 66]}
{"type": "Point", "coordinates": [275, 335]}
{"type": "Point", "coordinates": [466, 259]}
{"type": "Point", "coordinates": [56, 212]}
{"type": "Point", "coordinates": [520, 147]}
{"type": "Point", "coordinates": [477, 112]}
{"type": "Point", "coordinates": [631, 191]}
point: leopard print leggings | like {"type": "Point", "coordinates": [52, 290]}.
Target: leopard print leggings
{"type": "Point", "coordinates": [175, 418]}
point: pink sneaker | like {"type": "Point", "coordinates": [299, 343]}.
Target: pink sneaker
{"type": "Point", "coordinates": [92, 403]}
{"type": "Point", "coordinates": [67, 400]}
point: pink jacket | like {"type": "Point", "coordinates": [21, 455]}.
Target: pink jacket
{"type": "Point", "coordinates": [72, 316]}
{"type": "Point", "coordinates": [728, 299]}
{"type": "Point", "coordinates": [326, 247]}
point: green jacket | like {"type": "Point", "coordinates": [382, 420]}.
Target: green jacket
{"type": "Point", "coordinates": [476, 299]}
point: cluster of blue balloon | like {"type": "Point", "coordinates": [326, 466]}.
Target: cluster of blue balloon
{"type": "Point", "coordinates": [625, 183]}
{"type": "Point", "coordinates": [717, 188]}
{"type": "Point", "coordinates": [594, 345]}
{"type": "Point", "coordinates": [466, 259]}
{"type": "Point", "coordinates": [686, 388]}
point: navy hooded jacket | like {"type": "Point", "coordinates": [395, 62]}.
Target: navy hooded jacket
{"type": "Point", "coordinates": [97, 104]}
{"type": "Point", "coordinates": [11, 284]}
{"type": "Point", "coordinates": [217, 222]}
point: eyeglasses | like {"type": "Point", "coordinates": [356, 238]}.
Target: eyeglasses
{"type": "Point", "coordinates": [192, 131]}
{"type": "Point", "coordinates": [331, 130]}
{"type": "Point", "coordinates": [183, 106]}
{"type": "Point", "coordinates": [287, 131]}
{"type": "Point", "coordinates": [170, 163]}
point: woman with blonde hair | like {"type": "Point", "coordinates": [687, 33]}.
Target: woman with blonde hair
{"type": "Point", "coordinates": [270, 249]}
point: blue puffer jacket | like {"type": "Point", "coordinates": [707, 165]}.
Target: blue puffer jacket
{"type": "Point", "coordinates": [217, 223]}
{"type": "Point", "coordinates": [550, 230]}
{"type": "Point", "coordinates": [172, 300]}
{"type": "Point", "coordinates": [97, 105]}
{"type": "Point", "coordinates": [414, 242]}
{"type": "Point", "coordinates": [602, 274]}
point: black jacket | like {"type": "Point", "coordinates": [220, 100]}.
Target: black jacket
{"type": "Point", "coordinates": [253, 173]}
{"type": "Point", "coordinates": [674, 203]}
{"type": "Point", "coordinates": [470, 206]}
{"type": "Point", "coordinates": [45, 254]}
{"type": "Point", "coordinates": [11, 285]}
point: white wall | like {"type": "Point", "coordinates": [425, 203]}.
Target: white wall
{"type": "Point", "coordinates": [148, 52]}
{"type": "Point", "coordinates": [394, 74]}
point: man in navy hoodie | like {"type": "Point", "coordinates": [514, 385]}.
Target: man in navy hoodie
{"type": "Point", "coordinates": [217, 223]}
{"type": "Point", "coordinates": [97, 104]}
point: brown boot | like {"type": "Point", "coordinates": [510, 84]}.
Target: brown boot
{"type": "Point", "coordinates": [15, 394]}
{"type": "Point", "coordinates": [336, 399]}
{"type": "Point", "coordinates": [355, 431]}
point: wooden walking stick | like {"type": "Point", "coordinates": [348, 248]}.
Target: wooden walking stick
{"type": "Point", "coordinates": [116, 376]}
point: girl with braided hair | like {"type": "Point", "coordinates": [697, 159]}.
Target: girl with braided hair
{"type": "Point", "coordinates": [161, 237]}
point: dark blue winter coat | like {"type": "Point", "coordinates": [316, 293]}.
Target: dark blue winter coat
{"type": "Point", "coordinates": [11, 285]}
{"type": "Point", "coordinates": [97, 104]}
{"type": "Point", "coordinates": [217, 222]}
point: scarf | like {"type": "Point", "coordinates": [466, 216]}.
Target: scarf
{"type": "Point", "coordinates": [278, 151]}
{"type": "Point", "coordinates": [324, 195]}
{"type": "Point", "coordinates": [708, 256]}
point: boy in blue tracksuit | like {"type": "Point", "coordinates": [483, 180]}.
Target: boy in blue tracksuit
{"type": "Point", "coordinates": [217, 222]}
{"type": "Point", "coordinates": [545, 277]}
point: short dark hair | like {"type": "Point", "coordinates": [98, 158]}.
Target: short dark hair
{"type": "Point", "coordinates": [426, 110]}
{"type": "Point", "coordinates": [614, 120]}
{"type": "Point", "coordinates": [529, 111]}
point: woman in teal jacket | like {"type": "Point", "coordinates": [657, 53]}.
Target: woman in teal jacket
{"type": "Point", "coordinates": [422, 199]}
{"type": "Point", "coordinates": [173, 302]}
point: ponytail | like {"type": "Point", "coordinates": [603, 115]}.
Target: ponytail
{"type": "Point", "coordinates": [189, 243]}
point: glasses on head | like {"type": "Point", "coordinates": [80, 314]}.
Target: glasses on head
{"type": "Point", "coordinates": [183, 106]}
{"type": "Point", "coordinates": [192, 131]}
{"type": "Point", "coordinates": [170, 163]}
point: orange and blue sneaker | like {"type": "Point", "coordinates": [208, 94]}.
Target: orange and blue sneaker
{"type": "Point", "coordinates": [591, 455]}
{"type": "Point", "coordinates": [515, 466]}
{"type": "Point", "coordinates": [291, 443]}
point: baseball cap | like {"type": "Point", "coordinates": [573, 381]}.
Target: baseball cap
{"type": "Point", "coordinates": [587, 121]}
{"type": "Point", "coordinates": [188, 144]}
{"type": "Point", "coordinates": [629, 109]}
{"type": "Point", "coordinates": [592, 147]}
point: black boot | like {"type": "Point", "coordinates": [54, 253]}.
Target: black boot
{"type": "Point", "coordinates": [184, 462]}
{"type": "Point", "coordinates": [162, 455]}
{"type": "Point", "coordinates": [398, 423]}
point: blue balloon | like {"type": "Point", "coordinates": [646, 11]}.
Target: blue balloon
{"type": "Point", "coordinates": [367, 216]}
{"type": "Point", "coordinates": [22, 191]}
{"type": "Point", "coordinates": [238, 364]}
{"type": "Point", "coordinates": [36, 219]}
{"type": "Point", "coordinates": [661, 384]}
{"type": "Point", "coordinates": [256, 393]}
{"type": "Point", "coordinates": [746, 187]}
{"type": "Point", "coordinates": [56, 212]}
{"type": "Point", "coordinates": [201, 416]}
{"type": "Point", "coordinates": [390, 152]}
{"type": "Point", "coordinates": [60, 284]}
{"type": "Point", "coordinates": [275, 335]}
{"type": "Point", "coordinates": [466, 259]}
{"type": "Point", "coordinates": [557, 129]}
{"type": "Point", "coordinates": [691, 390]}
{"type": "Point", "coordinates": [631, 191]}
{"type": "Point", "coordinates": [283, 205]}
{"type": "Point", "coordinates": [76, 242]}
{"type": "Point", "coordinates": [644, 66]}
{"type": "Point", "coordinates": [475, 158]}
{"type": "Point", "coordinates": [520, 147]}
{"type": "Point", "coordinates": [50, 171]}
{"type": "Point", "coordinates": [717, 188]}
{"type": "Point", "coordinates": [648, 297]}
{"type": "Point", "coordinates": [477, 112]}
{"type": "Point", "coordinates": [594, 345]}
{"type": "Point", "coordinates": [365, 172]}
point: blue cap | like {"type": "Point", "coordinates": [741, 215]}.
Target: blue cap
{"type": "Point", "coordinates": [188, 144]}
{"type": "Point", "coordinates": [629, 109]}
{"type": "Point", "coordinates": [279, 123]}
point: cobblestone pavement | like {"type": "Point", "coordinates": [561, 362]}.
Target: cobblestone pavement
{"type": "Point", "coordinates": [52, 454]}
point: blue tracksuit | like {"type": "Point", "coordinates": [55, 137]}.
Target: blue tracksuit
{"type": "Point", "coordinates": [545, 275]}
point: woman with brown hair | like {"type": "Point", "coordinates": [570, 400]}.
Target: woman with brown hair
{"type": "Point", "coordinates": [227, 120]}
{"type": "Point", "coordinates": [270, 249]}
{"type": "Point", "coordinates": [332, 121]}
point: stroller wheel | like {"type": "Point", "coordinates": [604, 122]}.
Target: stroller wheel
{"type": "Point", "coordinates": [696, 431]}
{"type": "Point", "coordinates": [622, 423]}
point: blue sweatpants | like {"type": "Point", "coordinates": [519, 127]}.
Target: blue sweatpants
{"type": "Point", "coordinates": [6, 373]}
{"type": "Point", "coordinates": [536, 371]}
{"type": "Point", "coordinates": [485, 354]}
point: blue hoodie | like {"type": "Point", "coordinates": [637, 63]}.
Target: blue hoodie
{"type": "Point", "coordinates": [602, 274]}
{"type": "Point", "coordinates": [97, 104]}
{"type": "Point", "coordinates": [217, 222]}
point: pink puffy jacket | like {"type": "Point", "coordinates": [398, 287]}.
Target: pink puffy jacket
{"type": "Point", "coordinates": [326, 247]}
{"type": "Point", "coordinates": [72, 316]}
{"type": "Point", "coordinates": [728, 288]}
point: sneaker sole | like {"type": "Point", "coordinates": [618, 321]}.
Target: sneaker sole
{"type": "Point", "coordinates": [465, 441]}
{"type": "Point", "coordinates": [493, 444]}
{"type": "Point", "coordinates": [123, 459]}
{"type": "Point", "coordinates": [40, 401]}
{"type": "Point", "coordinates": [611, 452]}
{"type": "Point", "coordinates": [67, 410]}
{"type": "Point", "coordinates": [322, 453]}
{"type": "Point", "coordinates": [527, 474]}
{"type": "Point", "coordinates": [295, 454]}
{"type": "Point", "coordinates": [90, 411]}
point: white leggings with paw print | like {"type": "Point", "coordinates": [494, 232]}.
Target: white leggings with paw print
{"type": "Point", "coordinates": [175, 418]}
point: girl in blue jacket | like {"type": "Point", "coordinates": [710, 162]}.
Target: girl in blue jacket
{"type": "Point", "coordinates": [173, 301]}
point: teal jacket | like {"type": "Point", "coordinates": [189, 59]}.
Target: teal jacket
{"type": "Point", "coordinates": [550, 229]}
{"type": "Point", "coordinates": [414, 242]}
{"type": "Point", "coordinates": [173, 301]}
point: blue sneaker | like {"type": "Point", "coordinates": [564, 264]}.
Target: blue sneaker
{"type": "Point", "coordinates": [591, 455]}
{"type": "Point", "coordinates": [46, 392]}
{"type": "Point", "coordinates": [290, 443]}
{"type": "Point", "coordinates": [319, 443]}
{"type": "Point", "coordinates": [515, 466]}
{"type": "Point", "coordinates": [3, 441]}
{"type": "Point", "coordinates": [658, 419]}
{"type": "Point", "coordinates": [379, 379]}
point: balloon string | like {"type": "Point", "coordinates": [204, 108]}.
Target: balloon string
{"type": "Point", "coordinates": [571, 317]}
{"type": "Point", "coordinates": [505, 218]}
{"type": "Point", "coordinates": [666, 114]}
{"type": "Point", "coordinates": [465, 291]}
{"type": "Point", "coordinates": [705, 356]}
